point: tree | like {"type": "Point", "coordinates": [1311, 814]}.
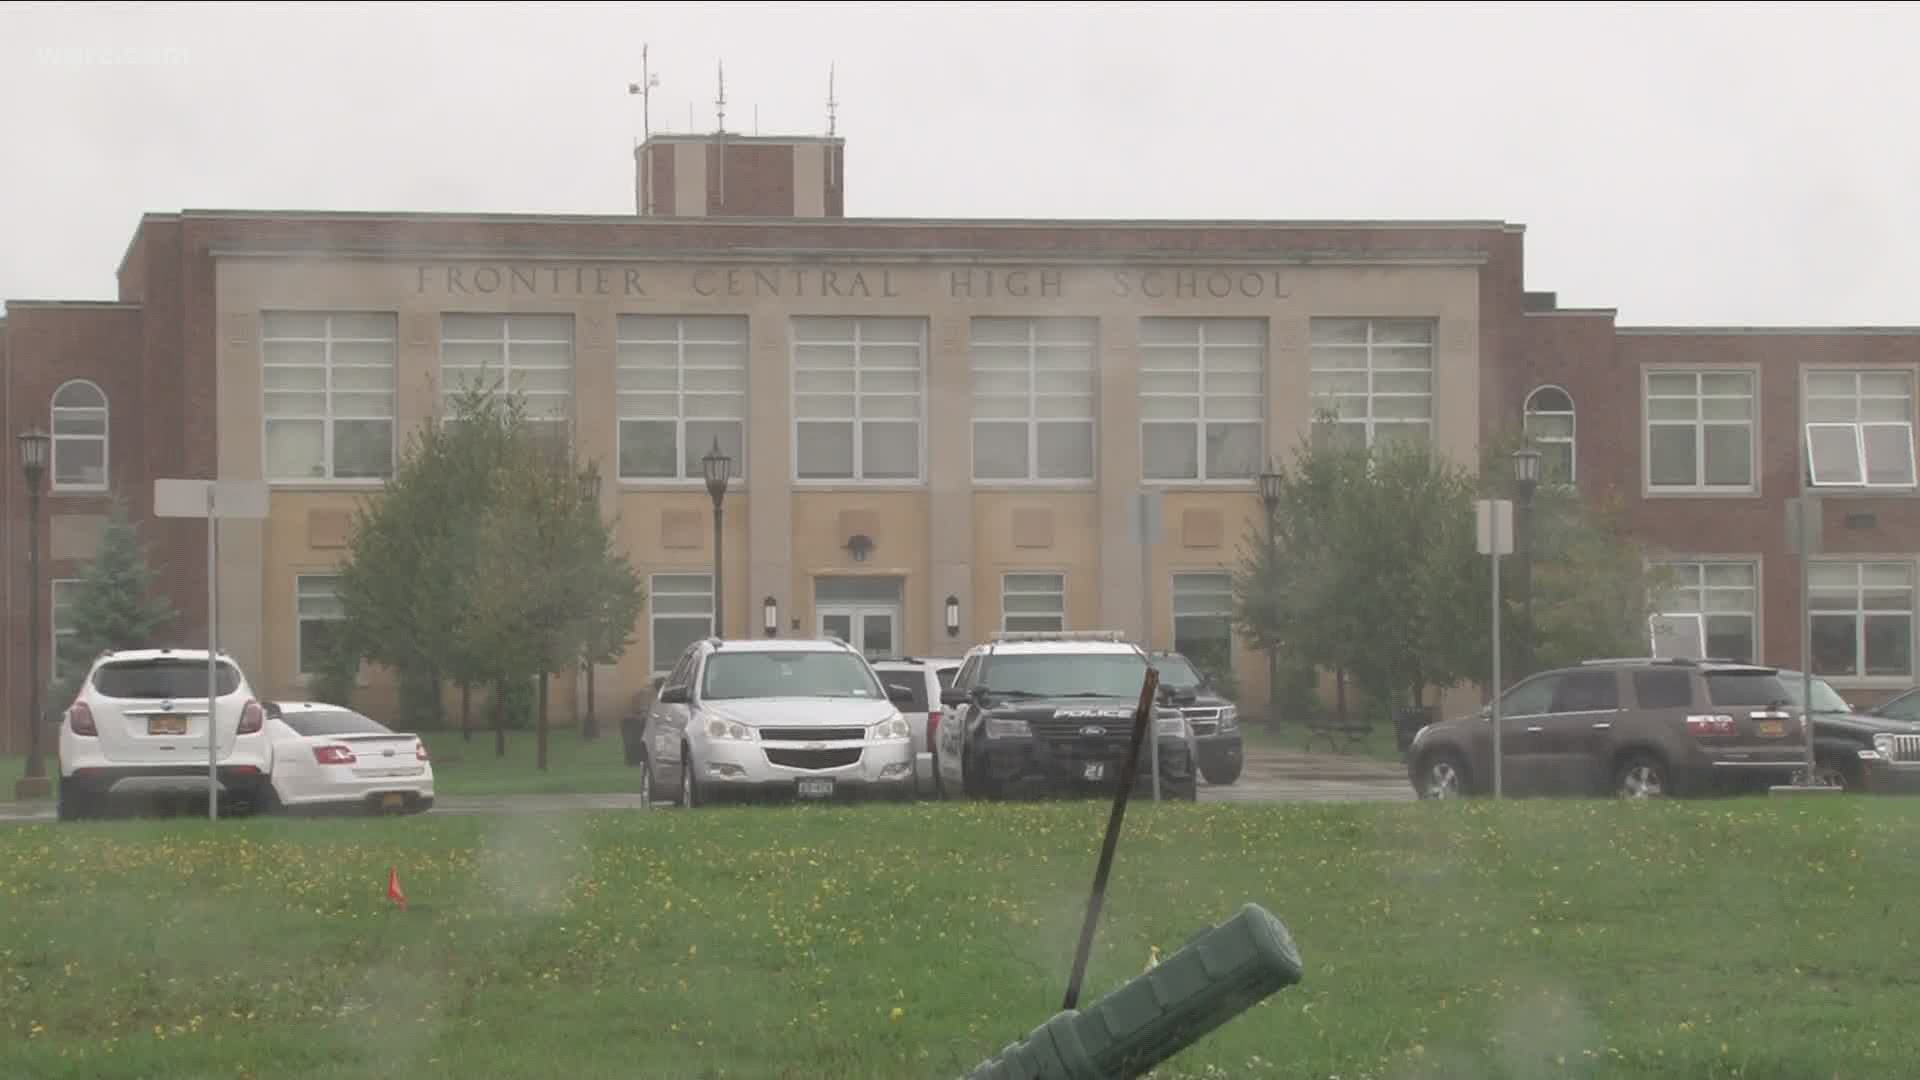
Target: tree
{"type": "Point", "coordinates": [557, 588]}
{"type": "Point", "coordinates": [410, 574]}
{"type": "Point", "coordinates": [114, 606]}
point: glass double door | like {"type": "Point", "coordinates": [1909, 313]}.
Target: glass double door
{"type": "Point", "coordinates": [871, 628]}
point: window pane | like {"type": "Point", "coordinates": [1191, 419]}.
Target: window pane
{"type": "Point", "coordinates": [825, 451]}
{"type": "Point", "coordinates": [890, 451]}
{"type": "Point", "coordinates": [1730, 637]}
{"type": "Point", "coordinates": [1889, 644]}
{"type": "Point", "coordinates": [999, 451]}
{"type": "Point", "coordinates": [1065, 451]}
{"type": "Point", "coordinates": [647, 449]}
{"type": "Point", "coordinates": [672, 635]}
{"type": "Point", "coordinates": [1233, 450]}
{"type": "Point", "coordinates": [1889, 449]}
{"type": "Point", "coordinates": [1664, 689]}
{"type": "Point", "coordinates": [1670, 456]}
{"type": "Point", "coordinates": [1835, 645]}
{"type": "Point", "coordinates": [1833, 454]}
{"type": "Point", "coordinates": [1169, 452]}
{"type": "Point", "coordinates": [1729, 456]}
{"type": "Point", "coordinates": [296, 449]}
{"type": "Point", "coordinates": [362, 449]}
{"type": "Point", "coordinates": [80, 462]}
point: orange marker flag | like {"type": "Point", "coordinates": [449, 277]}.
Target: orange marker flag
{"type": "Point", "coordinates": [394, 892]}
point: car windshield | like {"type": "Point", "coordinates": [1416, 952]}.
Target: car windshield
{"type": "Point", "coordinates": [1066, 675]}
{"type": "Point", "coordinates": [1825, 698]}
{"type": "Point", "coordinates": [1176, 672]}
{"type": "Point", "coordinates": [770, 674]}
{"type": "Point", "coordinates": [161, 680]}
{"type": "Point", "coordinates": [333, 722]}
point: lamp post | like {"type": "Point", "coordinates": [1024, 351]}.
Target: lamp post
{"type": "Point", "coordinates": [719, 469]}
{"type": "Point", "coordinates": [34, 448]}
{"type": "Point", "coordinates": [1270, 490]}
{"type": "Point", "coordinates": [1526, 480]}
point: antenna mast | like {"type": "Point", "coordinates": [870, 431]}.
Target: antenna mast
{"type": "Point", "coordinates": [831, 103]}
{"type": "Point", "coordinates": [644, 89]}
{"type": "Point", "coordinates": [720, 103]}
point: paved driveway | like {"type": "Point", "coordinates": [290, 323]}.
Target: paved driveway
{"type": "Point", "coordinates": [1271, 775]}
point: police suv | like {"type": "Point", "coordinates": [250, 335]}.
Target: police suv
{"type": "Point", "coordinates": [1052, 714]}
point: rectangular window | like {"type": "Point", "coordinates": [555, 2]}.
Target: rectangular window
{"type": "Point", "coordinates": [329, 384]}
{"type": "Point", "coordinates": [317, 600]}
{"type": "Point", "coordinates": [1033, 398]}
{"type": "Point", "coordinates": [1700, 430]}
{"type": "Point", "coordinates": [682, 386]}
{"type": "Point", "coordinates": [858, 398]}
{"type": "Point", "coordinates": [64, 592]}
{"type": "Point", "coordinates": [1203, 620]}
{"type": "Point", "coordinates": [1862, 619]}
{"type": "Point", "coordinates": [1373, 380]}
{"type": "Point", "coordinates": [1031, 602]}
{"type": "Point", "coordinates": [1726, 596]}
{"type": "Point", "coordinates": [681, 614]}
{"type": "Point", "coordinates": [1859, 428]}
{"type": "Point", "coordinates": [1202, 398]}
{"type": "Point", "coordinates": [527, 355]}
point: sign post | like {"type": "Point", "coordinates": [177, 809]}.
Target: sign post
{"type": "Point", "coordinates": [1494, 520]}
{"type": "Point", "coordinates": [1146, 518]}
{"type": "Point", "coordinates": [212, 500]}
{"type": "Point", "coordinates": [1804, 539]}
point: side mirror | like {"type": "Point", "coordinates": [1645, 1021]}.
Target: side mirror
{"type": "Point", "coordinates": [658, 681]}
{"type": "Point", "coordinates": [900, 695]}
{"type": "Point", "coordinates": [675, 696]}
{"type": "Point", "coordinates": [1486, 712]}
{"type": "Point", "coordinates": [953, 699]}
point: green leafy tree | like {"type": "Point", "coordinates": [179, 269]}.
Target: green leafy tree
{"type": "Point", "coordinates": [114, 605]}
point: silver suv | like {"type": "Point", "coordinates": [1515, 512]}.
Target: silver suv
{"type": "Point", "coordinates": [781, 718]}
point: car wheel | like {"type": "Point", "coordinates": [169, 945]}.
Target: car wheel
{"type": "Point", "coordinates": [77, 803]}
{"type": "Point", "coordinates": [1845, 777]}
{"type": "Point", "coordinates": [646, 783]}
{"type": "Point", "coordinates": [1641, 776]}
{"type": "Point", "coordinates": [1442, 776]}
{"type": "Point", "coordinates": [265, 799]}
{"type": "Point", "coordinates": [689, 790]}
{"type": "Point", "coordinates": [1225, 772]}
{"type": "Point", "coordinates": [1187, 791]}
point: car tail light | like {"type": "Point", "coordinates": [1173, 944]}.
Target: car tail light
{"type": "Point", "coordinates": [251, 718]}
{"type": "Point", "coordinates": [333, 755]}
{"type": "Point", "coordinates": [1709, 725]}
{"type": "Point", "coordinates": [933, 729]}
{"type": "Point", "coordinates": [80, 719]}
{"type": "Point", "coordinates": [420, 750]}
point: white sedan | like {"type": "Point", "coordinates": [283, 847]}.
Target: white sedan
{"type": "Point", "coordinates": [328, 757]}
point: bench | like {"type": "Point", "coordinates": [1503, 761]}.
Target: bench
{"type": "Point", "coordinates": [1340, 736]}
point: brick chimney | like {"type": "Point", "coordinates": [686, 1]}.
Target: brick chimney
{"type": "Point", "coordinates": [727, 175]}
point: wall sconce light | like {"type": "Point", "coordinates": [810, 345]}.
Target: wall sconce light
{"type": "Point", "coordinates": [859, 545]}
{"type": "Point", "coordinates": [770, 616]}
{"type": "Point", "coordinates": [953, 616]}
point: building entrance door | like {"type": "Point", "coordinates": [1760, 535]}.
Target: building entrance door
{"type": "Point", "coordinates": [864, 612]}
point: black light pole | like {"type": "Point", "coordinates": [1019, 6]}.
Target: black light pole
{"type": "Point", "coordinates": [719, 469]}
{"type": "Point", "coordinates": [34, 448]}
{"type": "Point", "coordinates": [1526, 480]}
{"type": "Point", "coordinates": [590, 494]}
{"type": "Point", "coordinates": [1270, 490]}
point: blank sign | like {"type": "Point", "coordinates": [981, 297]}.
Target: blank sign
{"type": "Point", "coordinates": [230, 498]}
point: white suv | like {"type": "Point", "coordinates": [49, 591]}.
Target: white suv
{"type": "Point", "coordinates": [140, 722]}
{"type": "Point", "coordinates": [776, 717]}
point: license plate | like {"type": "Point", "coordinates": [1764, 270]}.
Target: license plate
{"type": "Point", "coordinates": [1772, 729]}
{"type": "Point", "coordinates": [819, 788]}
{"type": "Point", "coordinates": [393, 801]}
{"type": "Point", "coordinates": [1096, 770]}
{"type": "Point", "coordinates": [166, 725]}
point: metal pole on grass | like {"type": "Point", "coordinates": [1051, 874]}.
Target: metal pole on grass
{"type": "Point", "coordinates": [213, 689]}
{"type": "Point", "coordinates": [1142, 725]}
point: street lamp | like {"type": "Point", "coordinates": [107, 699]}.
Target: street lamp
{"type": "Point", "coordinates": [953, 616]}
{"type": "Point", "coordinates": [1271, 483]}
{"type": "Point", "coordinates": [770, 616]}
{"type": "Point", "coordinates": [1526, 480]}
{"type": "Point", "coordinates": [35, 445]}
{"type": "Point", "coordinates": [719, 469]}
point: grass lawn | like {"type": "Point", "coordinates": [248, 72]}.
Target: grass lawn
{"type": "Point", "coordinates": [1754, 938]}
{"type": "Point", "coordinates": [573, 764]}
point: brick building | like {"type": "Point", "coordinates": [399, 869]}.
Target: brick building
{"type": "Point", "coordinates": [920, 409]}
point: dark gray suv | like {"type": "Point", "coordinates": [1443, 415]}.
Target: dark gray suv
{"type": "Point", "coordinates": [1635, 728]}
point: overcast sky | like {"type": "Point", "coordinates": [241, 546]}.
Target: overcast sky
{"type": "Point", "coordinates": [1713, 164]}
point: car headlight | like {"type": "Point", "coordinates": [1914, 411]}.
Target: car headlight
{"type": "Point", "coordinates": [1008, 727]}
{"type": "Point", "coordinates": [1171, 725]}
{"type": "Point", "coordinates": [893, 728]}
{"type": "Point", "coordinates": [1883, 745]}
{"type": "Point", "coordinates": [1229, 718]}
{"type": "Point", "coordinates": [728, 729]}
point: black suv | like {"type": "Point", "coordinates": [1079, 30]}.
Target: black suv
{"type": "Point", "coordinates": [1859, 751]}
{"type": "Point", "coordinates": [1052, 714]}
{"type": "Point", "coordinates": [1214, 719]}
{"type": "Point", "coordinates": [1636, 728]}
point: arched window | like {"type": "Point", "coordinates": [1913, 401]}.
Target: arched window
{"type": "Point", "coordinates": [79, 437]}
{"type": "Point", "coordinates": [1549, 426]}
